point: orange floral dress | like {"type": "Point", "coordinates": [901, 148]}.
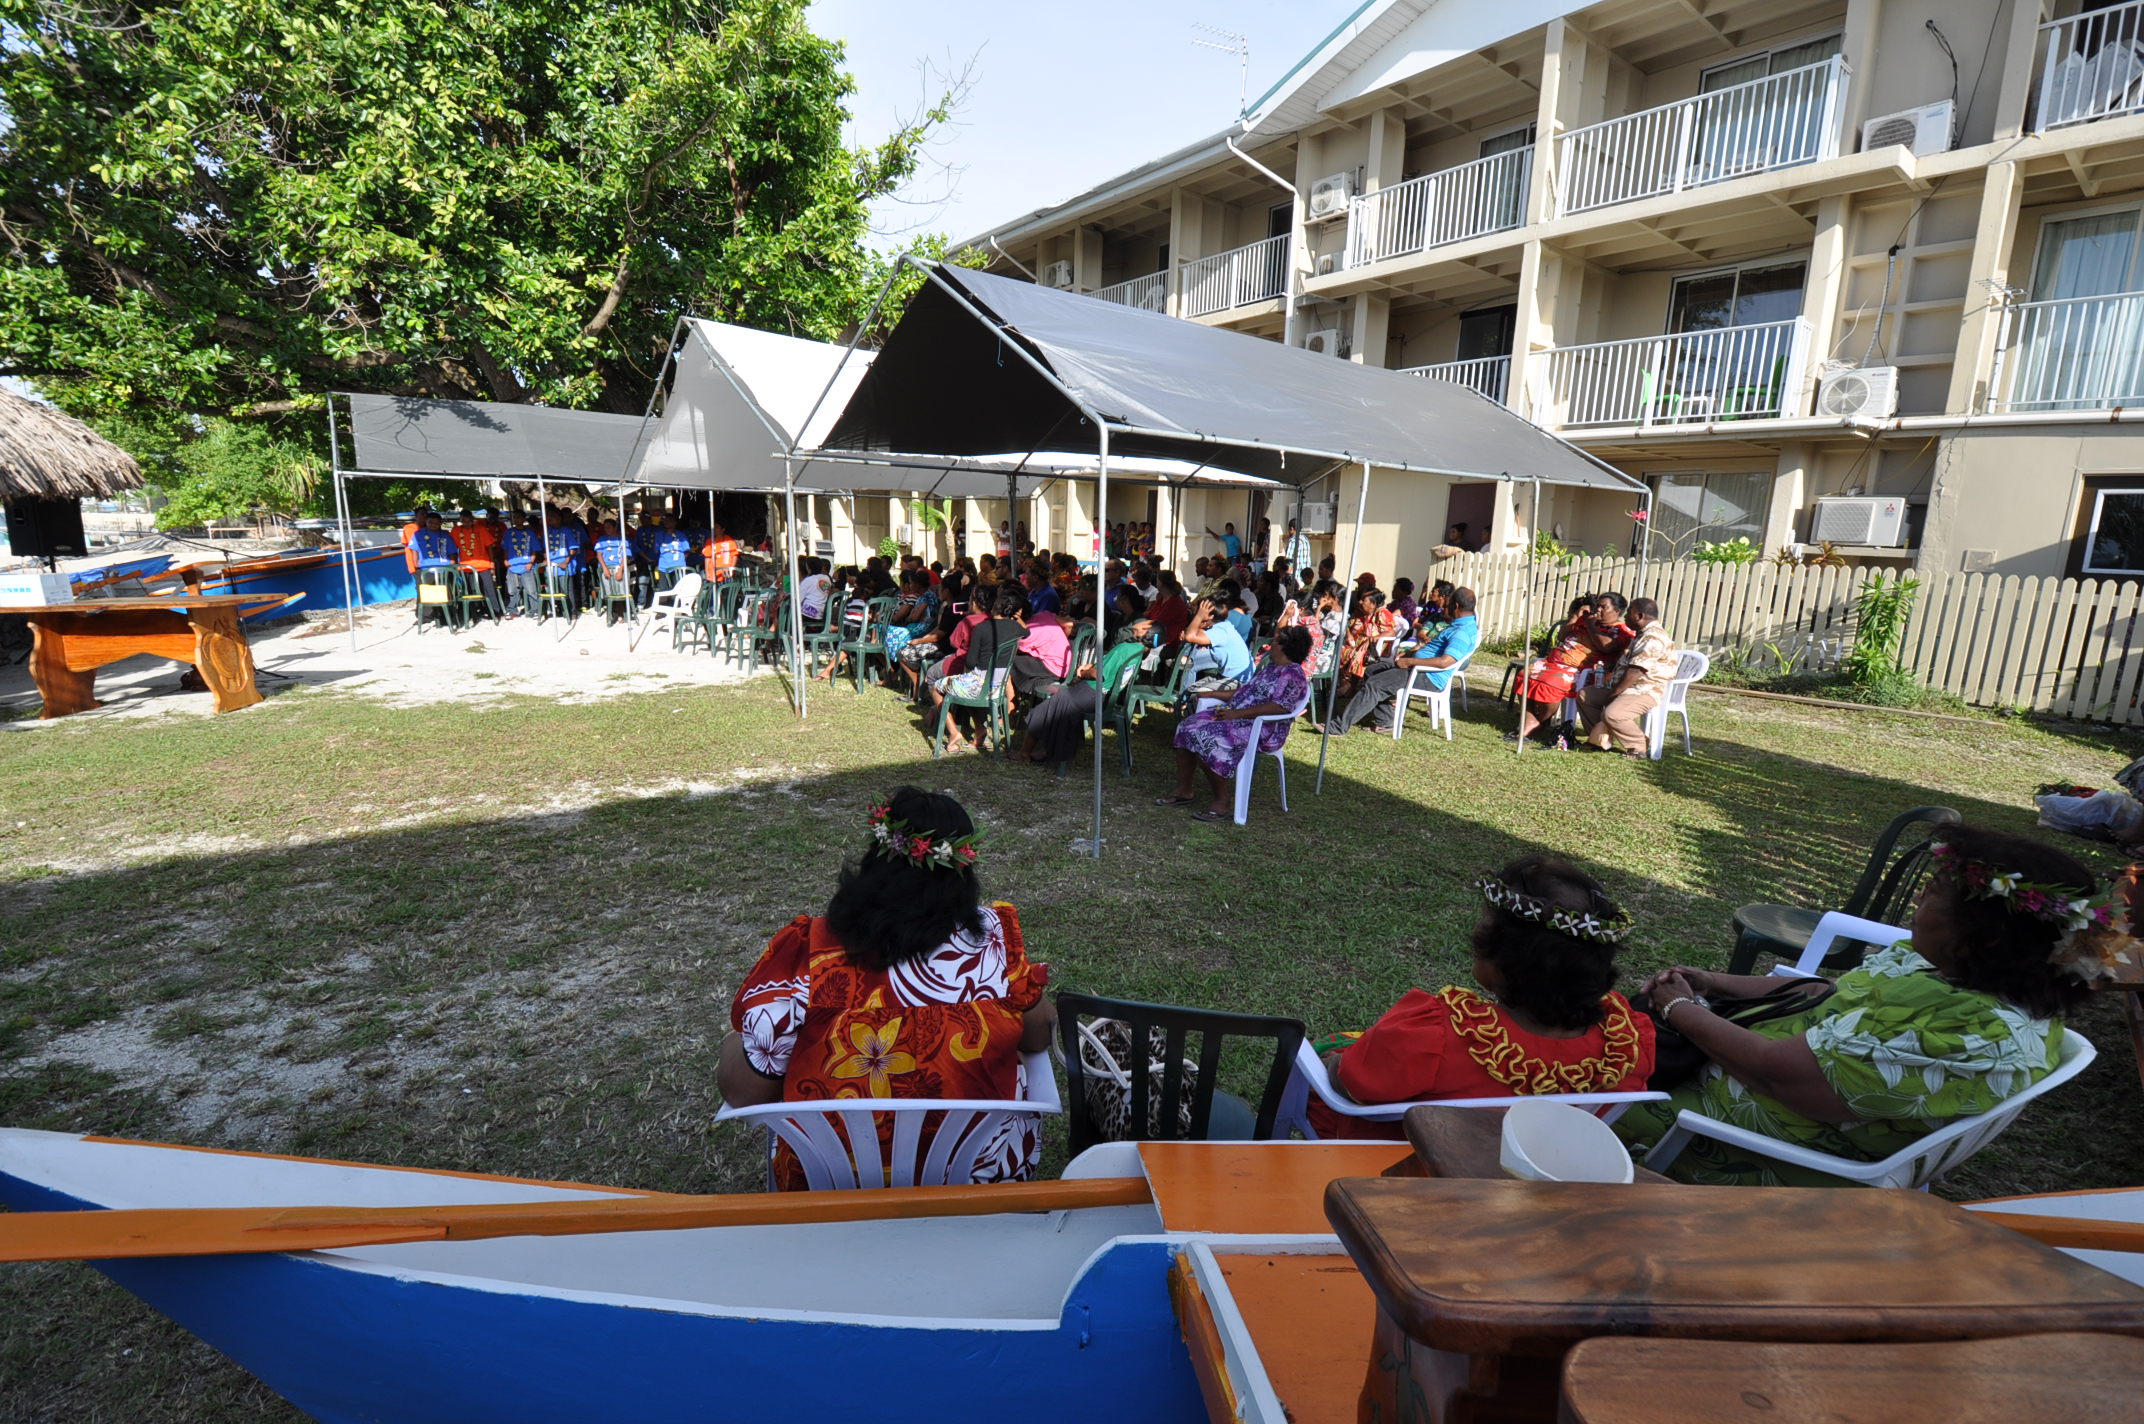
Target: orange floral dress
{"type": "Point", "coordinates": [943, 1025]}
{"type": "Point", "coordinates": [1458, 1044]}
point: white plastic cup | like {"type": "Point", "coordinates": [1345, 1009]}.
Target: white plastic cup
{"type": "Point", "coordinates": [1555, 1142]}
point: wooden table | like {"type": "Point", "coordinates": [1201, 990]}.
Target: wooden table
{"type": "Point", "coordinates": [70, 641]}
{"type": "Point", "coordinates": [2080, 1379]}
{"type": "Point", "coordinates": [1484, 1286]}
{"type": "Point", "coordinates": [1469, 1142]}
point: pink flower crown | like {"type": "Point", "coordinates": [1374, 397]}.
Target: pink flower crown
{"type": "Point", "coordinates": [900, 841]}
{"type": "Point", "coordinates": [2093, 944]}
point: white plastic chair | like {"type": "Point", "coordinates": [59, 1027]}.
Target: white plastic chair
{"type": "Point", "coordinates": [1837, 925]}
{"type": "Point", "coordinates": [671, 604]}
{"type": "Point", "coordinates": [1249, 762]}
{"type": "Point", "coordinates": [1438, 698]}
{"type": "Point", "coordinates": [1310, 1077]}
{"type": "Point", "coordinates": [847, 1158]}
{"type": "Point", "coordinates": [1915, 1165]}
{"type": "Point", "coordinates": [1676, 703]}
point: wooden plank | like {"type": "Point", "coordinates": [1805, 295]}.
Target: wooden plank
{"type": "Point", "coordinates": [1920, 631]}
{"type": "Point", "coordinates": [2050, 685]}
{"type": "Point", "coordinates": [2024, 683]}
{"type": "Point", "coordinates": [2125, 657]}
{"type": "Point", "coordinates": [1256, 1188]}
{"type": "Point", "coordinates": [1311, 1318]}
{"type": "Point", "coordinates": [1965, 598]}
{"type": "Point", "coordinates": [2095, 690]}
{"type": "Point", "coordinates": [1994, 644]}
{"type": "Point", "coordinates": [2075, 693]}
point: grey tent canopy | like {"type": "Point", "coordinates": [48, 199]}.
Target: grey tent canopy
{"type": "Point", "coordinates": [948, 382]}
{"type": "Point", "coordinates": [491, 440]}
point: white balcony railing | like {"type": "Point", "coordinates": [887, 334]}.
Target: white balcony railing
{"type": "Point", "coordinates": [2091, 66]}
{"type": "Point", "coordinates": [2083, 353]}
{"type": "Point", "coordinates": [1148, 293]}
{"type": "Point", "coordinates": [1727, 373]}
{"type": "Point", "coordinates": [1491, 375]}
{"type": "Point", "coordinates": [1777, 122]}
{"type": "Point", "coordinates": [1256, 273]}
{"type": "Point", "coordinates": [1487, 195]}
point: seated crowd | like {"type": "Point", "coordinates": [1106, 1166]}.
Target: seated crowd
{"type": "Point", "coordinates": [910, 985]}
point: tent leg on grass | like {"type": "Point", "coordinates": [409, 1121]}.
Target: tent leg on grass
{"type": "Point", "coordinates": [796, 588]}
{"type": "Point", "coordinates": [1526, 622]}
{"type": "Point", "coordinates": [1332, 698]}
{"type": "Point", "coordinates": [1094, 848]}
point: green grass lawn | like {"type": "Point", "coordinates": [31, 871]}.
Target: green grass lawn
{"type": "Point", "coordinates": [503, 938]}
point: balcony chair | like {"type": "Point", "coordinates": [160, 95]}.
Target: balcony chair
{"type": "Point", "coordinates": [847, 1157]}
{"type": "Point", "coordinates": [1157, 1109]}
{"type": "Point", "coordinates": [1897, 866]}
{"type": "Point", "coordinates": [1310, 1078]}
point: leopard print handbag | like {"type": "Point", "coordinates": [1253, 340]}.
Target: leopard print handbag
{"type": "Point", "coordinates": [1104, 1046]}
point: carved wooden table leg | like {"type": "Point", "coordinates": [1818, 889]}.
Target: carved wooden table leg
{"type": "Point", "coordinates": [65, 690]}
{"type": "Point", "coordinates": [223, 659]}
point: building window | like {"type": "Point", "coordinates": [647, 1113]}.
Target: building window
{"type": "Point", "coordinates": [1762, 66]}
{"type": "Point", "coordinates": [2114, 539]}
{"type": "Point", "coordinates": [1689, 510]}
{"type": "Point", "coordinates": [1737, 296]}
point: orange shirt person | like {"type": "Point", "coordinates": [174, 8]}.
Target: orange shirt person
{"type": "Point", "coordinates": [476, 543]}
{"type": "Point", "coordinates": [722, 553]}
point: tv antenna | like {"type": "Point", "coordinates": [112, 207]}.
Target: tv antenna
{"type": "Point", "coordinates": [1240, 47]}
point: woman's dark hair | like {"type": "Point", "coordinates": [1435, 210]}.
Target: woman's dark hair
{"type": "Point", "coordinates": [1131, 603]}
{"type": "Point", "coordinates": [1167, 583]}
{"type": "Point", "coordinates": [1553, 978]}
{"type": "Point", "coordinates": [1584, 603]}
{"type": "Point", "coordinates": [1403, 588]}
{"type": "Point", "coordinates": [1012, 602]}
{"type": "Point", "coordinates": [1294, 643]}
{"type": "Point", "coordinates": [1324, 589]}
{"type": "Point", "coordinates": [1993, 949]}
{"type": "Point", "coordinates": [885, 910]}
{"type": "Point", "coordinates": [1612, 599]}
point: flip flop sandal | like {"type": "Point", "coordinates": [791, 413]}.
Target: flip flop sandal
{"type": "Point", "coordinates": [1174, 800]}
{"type": "Point", "coordinates": [1212, 817]}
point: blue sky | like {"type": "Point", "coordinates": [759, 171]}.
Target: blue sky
{"type": "Point", "coordinates": [1064, 96]}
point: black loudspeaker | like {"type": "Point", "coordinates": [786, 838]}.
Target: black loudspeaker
{"type": "Point", "coordinates": [45, 528]}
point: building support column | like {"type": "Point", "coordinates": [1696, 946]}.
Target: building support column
{"type": "Point", "coordinates": [1994, 241]}
{"type": "Point", "coordinates": [1857, 43]}
{"type": "Point", "coordinates": [1822, 298]}
{"type": "Point", "coordinates": [2022, 38]}
{"type": "Point", "coordinates": [1790, 494]}
{"type": "Point", "coordinates": [1371, 333]}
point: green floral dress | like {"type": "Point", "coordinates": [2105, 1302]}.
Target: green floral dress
{"type": "Point", "coordinates": [1907, 1051]}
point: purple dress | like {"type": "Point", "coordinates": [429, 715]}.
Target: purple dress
{"type": "Point", "coordinates": [1220, 744]}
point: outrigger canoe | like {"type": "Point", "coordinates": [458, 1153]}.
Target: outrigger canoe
{"type": "Point", "coordinates": [1156, 1282]}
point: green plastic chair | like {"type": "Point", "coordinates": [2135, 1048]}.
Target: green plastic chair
{"type": "Point", "coordinates": [436, 589]}
{"type": "Point", "coordinates": [870, 639]}
{"type": "Point", "coordinates": [555, 591]}
{"type": "Point", "coordinates": [826, 637]}
{"type": "Point", "coordinates": [614, 596]}
{"type": "Point", "coordinates": [693, 621]}
{"type": "Point", "coordinates": [1083, 636]}
{"type": "Point", "coordinates": [1142, 695]}
{"type": "Point", "coordinates": [770, 627]}
{"type": "Point", "coordinates": [995, 700]}
{"type": "Point", "coordinates": [1884, 893]}
{"type": "Point", "coordinates": [469, 598]}
{"type": "Point", "coordinates": [1111, 710]}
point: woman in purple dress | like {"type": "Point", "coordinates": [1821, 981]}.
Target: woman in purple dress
{"type": "Point", "coordinates": [1216, 739]}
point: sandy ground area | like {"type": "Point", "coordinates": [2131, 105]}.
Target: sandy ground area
{"type": "Point", "coordinates": [581, 662]}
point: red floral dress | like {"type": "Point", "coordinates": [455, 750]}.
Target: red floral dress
{"type": "Point", "coordinates": [1458, 1044]}
{"type": "Point", "coordinates": [944, 1025]}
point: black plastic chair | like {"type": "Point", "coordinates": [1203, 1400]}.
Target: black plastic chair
{"type": "Point", "coordinates": [1214, 1029]}
{"type": "Point", "coordinates": [1887, 888]}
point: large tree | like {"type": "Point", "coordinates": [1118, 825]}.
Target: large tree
{"type": "Point", "coordinates": [221, 208]}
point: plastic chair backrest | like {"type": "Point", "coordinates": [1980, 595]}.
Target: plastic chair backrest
{"type": "Point", "coordinates": [1214, 1028]}
{"type": "Point", "coordinates": [848, 1157]}
{"type": "Point", "coordinates": [1311, 1078]}
{"type": "Point", "coordinates": [1882, 879]}
{"type": "Point", "coordinates": [683, 594]}
{"type": "Point", "coordinates": [1691, 668]}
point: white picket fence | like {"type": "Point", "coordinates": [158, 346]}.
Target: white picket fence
{"type": "Point", "coordinates": [2068, 647]}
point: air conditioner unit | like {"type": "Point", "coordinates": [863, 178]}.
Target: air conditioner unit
{"type": "Point", "coordinates": [1328, 196]}
{"type": "Point", "coordinates": [1317, 517]}
{"type": "Point", "coordinates": [1325, 341]}
{"type": "Point", "coordinates": [1925, 130]}
{"type": "Point", "coordinates": [1057, 274]}
{"type": "Point", "coordinates": [1877, 521]}
{"type": "Point", "coordinates": [1864, 393]}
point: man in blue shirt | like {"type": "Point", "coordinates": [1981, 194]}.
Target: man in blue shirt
{"type": "Point", "coordinates": [1383, 681]}
{"type": "Point", "coordinates": [1230, 544]}
{"type": "Point", "coordinates": [1041, 594]}
{"type": "Point", "coordinates": [522, 546]}
{"type": "Point", "coordinates": [1295, 548]}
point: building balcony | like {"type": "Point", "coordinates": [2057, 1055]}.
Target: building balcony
{"type": "Point", "coordinates": [1257, 272]}
{"type": "Point", "coordinates": [1783, 121]}
{"type": "Point", "coordinates": [2091, 67]}
{"type": "Point", "coordinates": [1148, 293]}
{"type": "Point", "coordinates": [1491, 375]}
{"type": "Point", "coordinates": [2083, 353]}
{"type": "Point", "coordinates": [1693, 378]}
{"type": "Point", "coordinates": [1472, 200]}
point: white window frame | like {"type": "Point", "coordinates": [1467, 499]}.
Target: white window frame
{"type": "Point", "coordinates": [1505, 132]}
{"type": "Point", "coordinates": [2091, 533]}
{"type": "Point", "coordinates": [2055, 216]}
{"type": "Point", "coordinates": [1777, 259]}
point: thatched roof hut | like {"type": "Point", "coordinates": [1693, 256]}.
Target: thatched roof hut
{"type": "Point", "coordinates": [47, 455]}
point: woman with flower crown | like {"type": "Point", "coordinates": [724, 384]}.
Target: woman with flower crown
{"type": "Point", "coordinates": [2008, 937]}
{"type": "Point", "coordinates": [1547, 1019]}
{"type": "Point", "coordinates": [907, 987]}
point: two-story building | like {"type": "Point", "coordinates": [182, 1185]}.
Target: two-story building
{"type": "Point", "coordinates": [1858, 272]}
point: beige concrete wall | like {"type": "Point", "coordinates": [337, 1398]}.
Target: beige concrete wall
{"type": "Point", "coordinates": [1910, 70]}
{"type": "Point", "coordinates": [2017, 494]}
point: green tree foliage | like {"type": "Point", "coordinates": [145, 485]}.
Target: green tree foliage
{"type": "Point", "coordinates": [222, 208]}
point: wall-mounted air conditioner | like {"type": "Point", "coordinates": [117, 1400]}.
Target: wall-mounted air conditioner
{"type": "Point", "coordinates": [1925, 130]}
{"type": "Point", "coordinates": [1325, 341]}
{"type": "Point", "coordinates": [1329, 195]}
{"type": "Point", "coordinates": [1863, 393]}
{"type": "Point", "coordinates": [1058, 274]}
{"type": "Point", "coordinates": [1317, 517]}
{"type": "Point", "coordinates": [1871, 521]}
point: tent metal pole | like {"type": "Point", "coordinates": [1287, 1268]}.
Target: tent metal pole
{"type": "Point", "coordinates": [543, 522]}
{"type": "Point", "coordinates": [1526, 626]}
{"type": "Point", "coordinates": [342, 519]}
{"type": "Point", "coordinates": [796, 587]}
{"type": "Point", "coordinates": [1354, 558]}
{"type": "Point", "coordinates": [1101, 627]}
{"type": "Point", "coordinates": [1645, 541]}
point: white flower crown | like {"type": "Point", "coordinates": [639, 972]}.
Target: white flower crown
{"type": "Point", "coordinates": [1578, 924]}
